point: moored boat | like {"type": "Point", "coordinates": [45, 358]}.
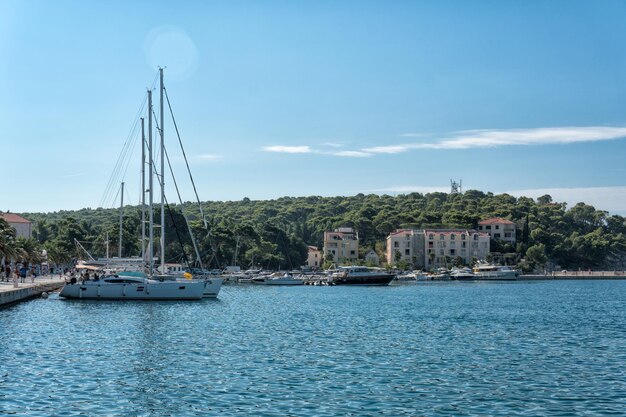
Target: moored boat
{"type": "Point", "coordinates": [132, 288]}
{"type": "Point", "coordinates": [462, 274]}
{"type": "Point", "coordinates": [495, 272]}
{"type": "Point", "coordinates": [361, 275]}
{"type": "Point", "coordinates": [278, 279]}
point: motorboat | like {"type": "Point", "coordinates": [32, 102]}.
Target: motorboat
{"type": "Point", "coordinates": [462, 274]}
{"type": "Point", "coordinates": [361, 275]}
{"type": "Point", "coordinates": [492, 272]}
{"type": "Point", "coordinates": [278, 279]}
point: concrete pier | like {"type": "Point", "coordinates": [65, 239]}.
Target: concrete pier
{"type": "Point", "coordinates": [10, 294]}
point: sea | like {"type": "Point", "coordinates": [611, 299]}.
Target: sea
{"type": "Point", "coordinates": [526, 348]}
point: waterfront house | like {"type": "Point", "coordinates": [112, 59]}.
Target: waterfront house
{"type": "Point", "coordinates": [341, 245]}
{"type": "Point", "coordinates": [23, 228]}
{"type": "Point", "coordinates": [314, 259]}
{"type": "Point", "coordinates": [498, 229]}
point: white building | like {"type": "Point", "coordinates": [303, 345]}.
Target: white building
{"type": "Point", "coordinates": [342, 245]}
{"type": "Point", "coordinates": [499, 229]}
{"type": "Point", "coordinates": [314, 260]}
{"type": "Point", "coordinates": [23, 227]}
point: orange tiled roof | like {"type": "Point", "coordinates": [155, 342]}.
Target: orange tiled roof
{"type": "Point", "coordinates": [496, 220]}
{"type": "Point", "coordinates": [14, 218]}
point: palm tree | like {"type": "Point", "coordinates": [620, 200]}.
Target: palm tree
{"type": "Point", "coordinates": [28, 250]}
{"type": "Point", "coordinates": [7, 240]}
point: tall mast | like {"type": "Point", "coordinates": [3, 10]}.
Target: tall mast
{"type": "Point", "coordinates": [150, 186]}
{"type": "Point", "coordinates": [143, 190]}
{"type": "Point", "coordinates": [162, 177]}
{"type": "Point", "coordinates": [119, 248]}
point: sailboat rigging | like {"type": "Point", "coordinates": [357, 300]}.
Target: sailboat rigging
{"type": "Point", "coordinates": [155, 284]}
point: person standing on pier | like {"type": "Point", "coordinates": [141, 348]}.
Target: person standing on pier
{"type": "Point", "coordinates": [23, 272]}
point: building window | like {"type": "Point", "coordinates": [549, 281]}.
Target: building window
{"type": "Point", "coordinates": [440, 251]}
{"type": "Point", "coordinates": [507, 234]}
{"type": "Point", "coordinates": [452, 244]}
{"type": "Point", "coordinates": [452, 236]}
{"type": "Point", "coordinates": [462, 237]}
{"type": "Point", "coordinates": [430, 244]}
{"type": "Point", "coordinates": [431, 237]}
{"type": "Point", "coordinates": [452, 252]}
{"type": "Point", "coordinates": [476, 237]}
{"type": "Point", "coordinates": [396, 244]}
{"type": "Point", "coordinates": [488, 227]}
{"type": "Point", "coordinates": [463, 244]}
{"type": "Point", "coordinates": [497, 227]}
{"type": "Point", "coordinates": [441, 236]}
{"type": "Point", "coordinates": [496, 235]}
{"type": "Point", "coordinates": [352, 252]}
{"type": "Point", "coordinates": [407, 251]}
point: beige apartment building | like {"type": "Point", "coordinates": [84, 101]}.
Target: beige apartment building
{"type": "Point", "coordinates": [406, 245]}
{"type": "Point", "coordinates": [341, 245]}
{"type": "Point", "coordinates": [314, 260]}
{"type": "Point", "coordinates": [499, 229]}
{"type": "Point", "coordinates": [444, 245]}
{"type": "Point", "coordinates": [432, 248]}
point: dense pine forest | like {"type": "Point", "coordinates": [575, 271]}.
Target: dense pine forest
{"type": "Point", "coordinates": [275, 233]}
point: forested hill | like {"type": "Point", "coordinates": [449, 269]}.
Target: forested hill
{"type": "Point", "coordinates": [274, 233]}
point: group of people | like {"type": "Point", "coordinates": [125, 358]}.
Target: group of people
{"type": "Point", "coordinates": [19, 272]}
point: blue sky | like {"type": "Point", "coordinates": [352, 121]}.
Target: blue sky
{"type": "Point", "coordinates": [278, 98]}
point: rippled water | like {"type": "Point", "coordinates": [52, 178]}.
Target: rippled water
{"type": "Point", "coordinates": [525, 348]}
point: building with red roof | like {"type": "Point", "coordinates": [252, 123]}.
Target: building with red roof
{"type": "Point", "coordinates": [23, 227]}
{"type": "Point", "coordinates": [499, 229]}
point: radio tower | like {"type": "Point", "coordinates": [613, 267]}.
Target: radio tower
{"type": "Point", "coordinates": [456, 187]}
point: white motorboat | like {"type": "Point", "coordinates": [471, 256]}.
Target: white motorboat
{"type": "Point", "coordinates": [495, 272]}
{"type": "Point", "coordinates": [462, 274]}
{"type": "Point", "coordinates": [278, 279]}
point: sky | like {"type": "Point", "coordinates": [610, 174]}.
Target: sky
{"type": "Point", "coordinates": [294, 98]}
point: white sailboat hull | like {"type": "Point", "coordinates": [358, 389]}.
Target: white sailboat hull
{"type": "Point", "coordinates": [147, 290]}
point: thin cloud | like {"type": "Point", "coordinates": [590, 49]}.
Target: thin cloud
{"type": "Point", "coordinates": [405, 189]}
{"type": "Point", "coordinates": [332, 145]}
{"type": "Point", "coordinates": [489, 138]}
{"type": "Point", "coordinates": [208, 157]}
{"type": "Point", "coordinates": [496, 138]}
{"type": "Point", "coordinates": [288, 149]}
{"type": "Point", "coordinates": [353, 154]}
{"type": "Point", "coordinates": [78, 174]}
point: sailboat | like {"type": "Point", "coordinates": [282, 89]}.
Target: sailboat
{"type": "Point", "coordinates": [151, 286]}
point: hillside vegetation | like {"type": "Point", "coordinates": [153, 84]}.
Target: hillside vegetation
{"type": "Point", "coordinates": [274, 233]}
